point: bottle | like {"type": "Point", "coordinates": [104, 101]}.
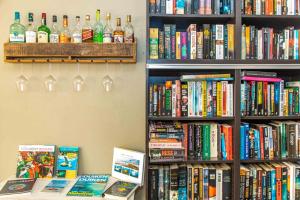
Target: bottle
{"type": "Point", "coordinates": [76, 34]}
{"type": "Point", "coordinates": [87, 30]}
{"type": "Point", "coordinates": [65, 36]}
{"type": "Point", "coordinates": [43, 30]}
{"type": "Point", "coordinates": [118, 33]}
{"type": "Point", "coordinates": [108, 30]}
{"type": "Point", "coordinates": [98, 29]}
{"type": "Point", "coordinates": [128, 31]}
{"type": "Point", "coordinates": [17, 30]}
{"type": "Point", "coordinates": [30, 30]}
{"type": "Point", "coordinates": [54, 36]}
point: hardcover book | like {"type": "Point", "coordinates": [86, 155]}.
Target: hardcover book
{"type": "Point", "coordinates": [18, 186]}
{"type": "Point", "coordinates": [67, 162]}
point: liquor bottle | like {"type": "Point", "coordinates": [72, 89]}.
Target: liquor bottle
{"type": "Point", "coordinates": [76, 34]}
{"type": "Point", "coordinates": [43, 30]}
{"type": "Point", "coordinates": [98, 29]}
{"type": "Point", "coordinates": [65, 36]}
{"type": "Point", "coordinates": [128, 31]}
{"type": "Point", "coordinates": [87, 30]}
{"type": "Point", "coordinates": [108, 30]}
{"type": "Point", "coordinates": [118, 33]}
{"type": "Point", "coordinates": [54, 36]}
{"type": "Point", "coordinates": [17, 30]}
{"type": "Point", "coordinates": [30, 30]}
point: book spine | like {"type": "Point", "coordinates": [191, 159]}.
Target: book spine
{"type": "Point", "coordinates": [169, 7]}
{"type": "Point", "coordinates": [183, 36]}
{"type": "Point", "coordinates": [153, 42]}
{"type": "Point", "coordinates": [152, 6]}
{"type": "Point", "coordinates": [173, 41]}
{"type": "Point", "coordinates": [163, 6]}
{"type": "Point", "coordinates": [157, 6]}
{"type": "Point", "coordinates": [200, 45]}
{"type": "Point", "coordinates": [168, 50]}
{"type": "Point", "coordinates": [178, 98]}
{"type": "Point", "coordinates": [178, 46]}
{"type": "Point", "coordinates": [219, 42]}
{"type": "Point", "coordinates": [161, 46]}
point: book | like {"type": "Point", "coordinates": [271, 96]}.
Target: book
{"type": "Point", "coordinates": [36, 161]}
{"type": "Point", "coordinates": [120, 190]}
{"type": "Point", "coordinates": [89, 186]}
{"type": "Point", "coordinates": [56, 186]}
{"type": "Point", "coordinates": [18, 186]}
{"type": "Point", "coordinates": [153, 43]}
{"type": "Point", "coordinates": [67, 162]}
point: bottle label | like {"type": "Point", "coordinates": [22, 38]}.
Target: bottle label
{"type": "Point", "coordinates": [118, 38]}
{"type": "Point", "coordinates": [64, 38]}
{"type": "Point", "coordinates": [42, 37]}
{"type": "Point", "coordinates": [77, 38]}
{"type": "Point", "coordinates": [87, 34]}
{"type": "Point", "coordinates": [98, 37]}
{"type": "Point", "coordinates": [129, 38]}
{"type": "Point", "coordinates": [15, 37]}
{"type": "Point", "coordinates": [107, 38]}
{"type": "Point", "coordinates": [30, 36]}
{"type": "Point", "coordinates": [54, 38]}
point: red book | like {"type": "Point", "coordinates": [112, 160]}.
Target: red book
{"type": "Point", "coordinates": [178, 98]}
{"type": "Point", "coordinates": [278, 181]}
{"type": "Point", "coordinates": [261, 139]}
{"type": "Point", "coordinates": [185, 140]}
{"type": "Point", "coordinates": [271, 43]}
{"type": "Point", "coordinates": [174, 7]}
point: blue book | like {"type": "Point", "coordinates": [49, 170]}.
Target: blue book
{"type": "Point", "coordinates": [195, 98]}
{"type": "Point", "coordinates": [273, 184]}
{"type": "Point", "coordinates": [182, 183]}
{"type": "Point", "coordinates": [242, 144]}
{"type": "Point", "coordinates": [223, 147]}
{"type": "Point", "coordinates": [179, 7]}
{"type": "Point", "coordinates": [296, 45]}
{"type": "Point", "coordinates": [67, 162]}
{"type": "Point", "coordinates": [256, 143]}
{"type": "Point", "coordinates": [247, 142]}
{"type": "Point", "coordinates": [205, 182]}
{"type": "Point", "coordinates": [56, 186]}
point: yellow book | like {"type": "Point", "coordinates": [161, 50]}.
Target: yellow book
{"type": "Point", "coordinates": [247, 41]}
{"type": "Point", "coordinates": [230, 41]}
{"type": "Point", "coordinates": [153, 43]}
{"type": "Point", "coordinates": [204, 99]}
{"type": "Point", "coordinates": [219, 99]}
{"type": "Point", "coordinates": [286, 103]}
{"type": "Point", "coordinates": [178, 46]}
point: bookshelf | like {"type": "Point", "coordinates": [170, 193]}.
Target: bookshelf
{"type": "Point", "coordinates": [163, 68]}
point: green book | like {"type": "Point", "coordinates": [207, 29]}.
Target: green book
{"type": "Point", "coordinates": [206, 141]}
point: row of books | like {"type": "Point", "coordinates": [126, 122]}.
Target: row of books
{"type": "Point", "coordinates": [270, 181]}
{"type": "Point", "coordinates": [270, 7]}
{"type": "Point", "coordinates": [265, 96]}
{"type": "Point", "coordinates": [190, 182]}
{"type": "Point", "coordinates": [210, 41]}
{"type": "Point", "coordinates": [193, 96]}
{"type": "Point", "coordinates": [190, 141]}
{"type": "Point", "coordinates": [200, 7]}
{"type": "Point", "coordinates": [269, 141]}
{"type": "Point", "coordinates": [268, 43]}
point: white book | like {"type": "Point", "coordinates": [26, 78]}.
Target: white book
{"type": "Point", "coordinates": [243, 56]}
{"type": "Point", "coordinates": [219, 41]}
{"type": "Point", "coordinates": [286, 44]}
{"type": "Point", "coordinates": [195, 100]}
{"type": "Point", "coordinates": [292, 175]}
{"type": "Point", "coordinates": [219, 189]}
{"type": "Point", "coordinates": [214, 141]}
{"type": "Point", "coordinates": [174, 100]}
{"type": "Point", "coordinates": [258, 7]}
{"type": "Point", "coordinates": [290, 7]}
{"type": "Point", "coordinates": [281, 102]}
{"type": "Point", "coordinates": [278, 7]}
{"type": "Point", "coordinates": [190, 99]}
{"type": "Point", "coordinates": [228, 99]}
{"type": "Point", "coordinates": [169, 7]}
{"type": "Point", "coordinates": [224, 89]}
{"type": "Point", "coordinates": [231, 99]}
{"type": "Point", "coordinates": [193, 50]}
{"type": "Point", "coordinates": [259, 45]}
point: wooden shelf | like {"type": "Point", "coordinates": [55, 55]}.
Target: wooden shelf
{"type": "Point", "coordinates": [268, 160]}
{"type": "Point", "coordinates": [70, 53]}
{"type": "Point", "coordinates": [152, 118]}
{"type": "Point", "coordinates": [265, 17]}
{"type": "Point", "coordinates": [191, 162]}
{"type": "Point", "coordinates": [297, 117]}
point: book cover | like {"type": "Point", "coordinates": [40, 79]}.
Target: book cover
{"type": "Point", "coordinates": [120, 189]}
{"type": "Point", "coordinates": [18, 186]}
{"type": "Point", "coordinates": [67, 162]}
{"type": "Point", "coordinates": [180, 6]}
{"type": "Point", "coordinates": [89, 186]}
{"type": "Point", "coordinates": [56, 186]}
{"type": "Point", "coordinates": [35, 161]}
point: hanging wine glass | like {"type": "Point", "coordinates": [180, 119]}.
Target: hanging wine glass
{"type": "Point", "coordinates": [78, 81]}
{"type": "Point", "coordinates": [107, 81]}
{"type": "Point", "coordinates": [50, 81]}
{"type": "Point", "coordinates": [22, 81]}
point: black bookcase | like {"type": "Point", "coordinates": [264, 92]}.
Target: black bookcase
{"type": "Point", "coordinates": [286, 69]}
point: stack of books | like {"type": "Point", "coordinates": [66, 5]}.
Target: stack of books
{"type": "Point", "coordinates": [263, 94]}
{"type": "Point", "coordinates": [209, 41]}
{"type": "Point", "coordinates": [201, 7]}
{"type": "Point", "coordinates": [190, 182]}
{"type": "Point", "coordinates": [208, 95]}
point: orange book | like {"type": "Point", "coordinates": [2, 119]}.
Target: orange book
{"type": "Point", "coordinates": [227, 130]}
{"type": "Point", "coordinates": [185, 140]}
{"type": "Point", "coordinates": [271, 7]}
{"type": "Point", "coordinates": [247, 41]}
{"type": "Point", "coordinates": [278, 181]}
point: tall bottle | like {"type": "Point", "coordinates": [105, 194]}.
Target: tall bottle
{"type": "Point", "coordinates": [65, 36]}
{"type": "Point", "coordinates": [98, 29]}
{"type": "Point", "coordinates": [128, 31]}
{"type": "Point", "coordinates": [30, 30]}
{"type": "Point", "coordinates": [118, 33]}
{"type": "Point", "coordinates": [43, 30]}
{"type": "Point", "coordinates": [54, 36]}
{"type": "Point", "coordinates": [87, 30]}
{"type": "Point", "coordinates": [17, 30]}
{"type": "Point", "coordinates": [108, 30]}
{"type": "Point", "coordinates": [76, 34]}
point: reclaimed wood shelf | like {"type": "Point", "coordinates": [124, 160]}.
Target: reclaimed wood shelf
{"type": "Point", "coordinates": [70, 53]}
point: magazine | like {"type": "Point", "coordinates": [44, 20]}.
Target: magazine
{"type": "Point", "coordinates": [56, 186]}
{"type": "Point", "coordinates": [120, 190]}
{"type": "Point", "coordinates": [18, 186]}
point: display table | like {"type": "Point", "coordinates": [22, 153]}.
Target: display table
{"type": "Point", "coordinates": [38, 195]}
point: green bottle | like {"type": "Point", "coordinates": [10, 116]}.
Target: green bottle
{"type": "Point", "coordinates": [43, 31]}
{"type": "Point", "coordinates": [98, 29]}
{"type": "Point", "coordinates": [17, 30]}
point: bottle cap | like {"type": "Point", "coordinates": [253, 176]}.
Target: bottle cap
{"type": "Point", "coordinates": [128, 18]}
{"type": "Point", "coordinates": [54, 18]}
{"type": "Point", "coordinates": [65, 16]}
{"type": "Point", "coordinates": [88, 17]}
{"type": "Point", "coordinates": [44, 15]}
{"type": "Point", "coordinates": [30, 17]}
{"type": "Point", "coordinates": [17, 15]}
{"type": "Point", "coordinates": [118, 21]}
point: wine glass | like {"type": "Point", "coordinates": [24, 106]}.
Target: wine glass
{"type": "Point", "coordinates": [50, 81]}
{"type": "Point", "coordinates": [78, 81]}
{"type": "Point", "coordinates": [107, 83]}
{"type": "Point", "coordinates": [22, 83]}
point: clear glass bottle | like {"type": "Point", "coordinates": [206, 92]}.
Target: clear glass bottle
{"type": "Point", "coordinates": [76, 34]}
{"type": "Point", "coordinates": [17, 30]}
{"type": "Point", "coordinates": [65, 36]}
{"type": "Point", "coordinates": [87, 30]}
{"type": "Point", "coordinates": [128, 31]}
{"type": "Point", "coordinates": [30, 30]}
{"type": "Point", "coordinates": [108, 30]}
{"type": "Point", "coordinates": [98, 29]}
{"type": "Point", "coordinates": [43, 30]}
{"type": "Point", "coordinates": [54, 36]}
{"type": "Point", "coordinates": [118, 33]}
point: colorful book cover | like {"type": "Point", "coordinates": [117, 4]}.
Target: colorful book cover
{"type": "Point", "coordinates": [35, 161]}
{"type": "Point", "coordinates": [17, 186]}
{"type": "Point", "coordinates": [120, 189]}
{"type": "Point", "coordinates": [153, 42]}
{"type": "Point", "coordinates": [180, 6]}
{"type": "Point", "coordinates": [89, 186]}
{"type": "Point", "coordinates": [56, 186]}
{"type": "Point", "coordinates": [183, 39]}
{"type": "Point", "coordinates": [67, 162]}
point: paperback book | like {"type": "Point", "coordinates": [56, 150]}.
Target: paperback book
{"type": "Point", "coordinates": [120, 190]}
{"type": "Point", "coordinates": [67, 162]}
{"type": "Point", "coordinates": [56, 186]}
{"type": "Point", "coordinates": [19, 186]}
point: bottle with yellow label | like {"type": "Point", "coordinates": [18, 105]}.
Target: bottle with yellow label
{"type": "Point", "coordinates": [65, 36]}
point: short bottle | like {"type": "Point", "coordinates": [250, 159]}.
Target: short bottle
{"type": "Point", "coordinates": [128, 31]}
{"type": "Point", "coordinates": [76, 34]}
{"type": "Point", "coordinates": [98, 29]}
{"type": "Point", "coordinates": [65, 36]}
{"type": "Point", "coordinates": [30, 30]}
{"type": "Point", "coordinates": [108, 30]}
{"type": "Point", "coordinates": [118, 33]}
{"type": "Point", "coordinates": [17, 30]}
{"type": "Point", "coordinates": [54, 36]}
{"type": "Point", "coordinates": [87, 30]}
{"type": "Point", "coordinates": [43, 30]}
